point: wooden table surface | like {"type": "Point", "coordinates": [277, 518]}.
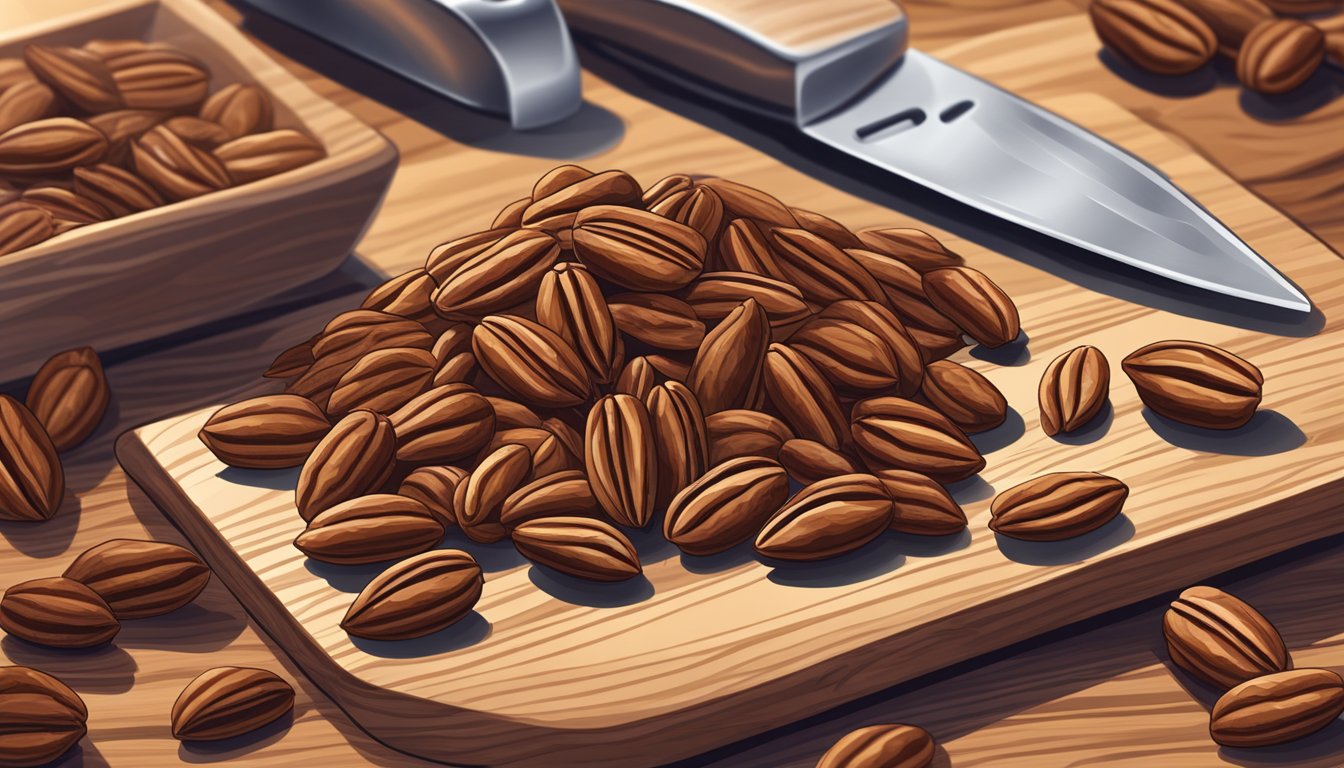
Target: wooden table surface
{"type": "Point", "coordinates": [1101, 693]}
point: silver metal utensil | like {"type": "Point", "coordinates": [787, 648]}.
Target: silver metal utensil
{"type": "Point", "coordinates": [508, 57]}
{"type": "Point", "coordinates": [840, 70]}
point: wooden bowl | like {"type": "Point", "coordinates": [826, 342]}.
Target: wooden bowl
{"type": "Point", "coordinates": [146, 275]}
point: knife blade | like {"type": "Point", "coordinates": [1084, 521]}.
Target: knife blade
{"type": "Point", "coordinates": [841, 72]}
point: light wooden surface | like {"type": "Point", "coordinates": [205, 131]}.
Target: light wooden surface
{"type": "Point", "coordinates": [705, 652]}
{"type": "Point", "coordinates": [805, 26]}
{"type": "Point", "coordinates": [159, 271]}
{"type": "Point", "coordinates": [1104, 697]}
{"type": "Point", "coordinates": [130, 685]}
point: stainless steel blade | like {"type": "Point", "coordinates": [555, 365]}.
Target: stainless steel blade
{"type": "Point", "coordinates": [938, 126]}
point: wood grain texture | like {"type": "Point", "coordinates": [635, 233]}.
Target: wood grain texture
{"type": "Point", "coordinates": [798, 60]}
{"type": "Point", "coordinates": [130, 685]}
{"type": "Point", "coordinates": [159, 271]}
{"type": "Point", "coordinates": [935, 24]}
{"type": "Point", "coordinates": [1109, 696]}
{"type": "Point", "coordinates": [808, 25]}
{"type": "Point", "coordinates": [552, 673]}
{"type": "Point", "coordinates": [1103, 698]}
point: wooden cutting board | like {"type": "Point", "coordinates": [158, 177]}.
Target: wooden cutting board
{"type": "Point", "coordinates": [702, 652]}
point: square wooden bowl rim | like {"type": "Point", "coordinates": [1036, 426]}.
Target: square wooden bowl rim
{"type": "Point", "coordinates": [360, 143]}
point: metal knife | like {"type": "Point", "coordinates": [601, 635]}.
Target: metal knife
{"type": "Point", "coordinates": [841, 71]}
{"type": "Point", "coordinates": [506, 57]}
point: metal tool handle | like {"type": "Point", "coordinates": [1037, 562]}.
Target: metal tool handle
{"type": "Point", "coordinates": [529, 43]}
{"type": "Point", "coordinates": [797, 59]}
{"type": "Point", "coordinates": [508, 57]}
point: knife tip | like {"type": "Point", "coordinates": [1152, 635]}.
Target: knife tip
{"type": "Point", "coordinates": [1288, 297]}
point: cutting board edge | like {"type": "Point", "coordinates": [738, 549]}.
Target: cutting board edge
{"type": "Point", "coordinates": [344, 688]}
{"type": "Point", "coordinates": [398, 719]}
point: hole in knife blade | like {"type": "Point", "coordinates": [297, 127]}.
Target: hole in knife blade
{"type": "Point", "coordinates": [956, 110]}
{"type": "Point", "coordinates": [890, 126]}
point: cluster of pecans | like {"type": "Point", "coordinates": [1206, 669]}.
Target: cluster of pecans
{"type": "Point", "coordinates": [1212, 635]}
{"type": "Point", "coordinates": [1186, 381]}
{"type": "Point", "coordinates": [111, 582]}
{"type": "Point", "coordinates": [605, 352]}
{"type": "Point", "coordinates": [1275, 50]}
{"type": "Point", "coordinates": [116, 581]}
{"type": "Point", "coordinates": [121, 126]}
{"type": "Point", "coordinates": [64, 405]}
{"type": "Point", "coordinates": [41, 717]}
{"type": "Point", "coordinates": [1226, 643]}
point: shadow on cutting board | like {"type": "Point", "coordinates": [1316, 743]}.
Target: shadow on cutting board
{"type": "Point", "coordinates": [1002, 436]}
{"type": "Point", "coordinates": [1014, 353]}
{"type": "Point", "coordinates": [972, 489]}
{"type": "Point", "coordinates": [1268, 432]}
{"type": "Point", "coordinates": [873, 559]}
{"type": "Point", "coordinates": [1075, 550]}
{"type": "Point", "coordinates": [788, 145]}
{"type": "Point", "coordinates": [652, 548]}
{"type": "Point", "coordinates": [591, 131]}
{"type": "Point", "coordinates": [1195, 83]}
{"type": "Point", "coordinates": [270, 479]}
{"type": "Point", "coordinates": [466, 632]}
{"type": "Point", "coordinates": [1324, 85]}
{"type": "Point", "coordinates": [719, 561]}
{"type": "Point", "coordinates": [930, 546]}
{"type": "Point", "coordinates": [591, 594]}
{"type": "Point", "coordinates": [1092, 431]}
{"type": "Point", "coordinates": [351, 579]}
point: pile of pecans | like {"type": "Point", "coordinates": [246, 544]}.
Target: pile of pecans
{"type": "Point", "coordinates": [605, 352]}
{"type": "Point", "coordinates": [121, 126]}
{"type": "Point", "coordinates": [695, 354]}
{"type": "Point", "coordinates": [1275, 49]}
